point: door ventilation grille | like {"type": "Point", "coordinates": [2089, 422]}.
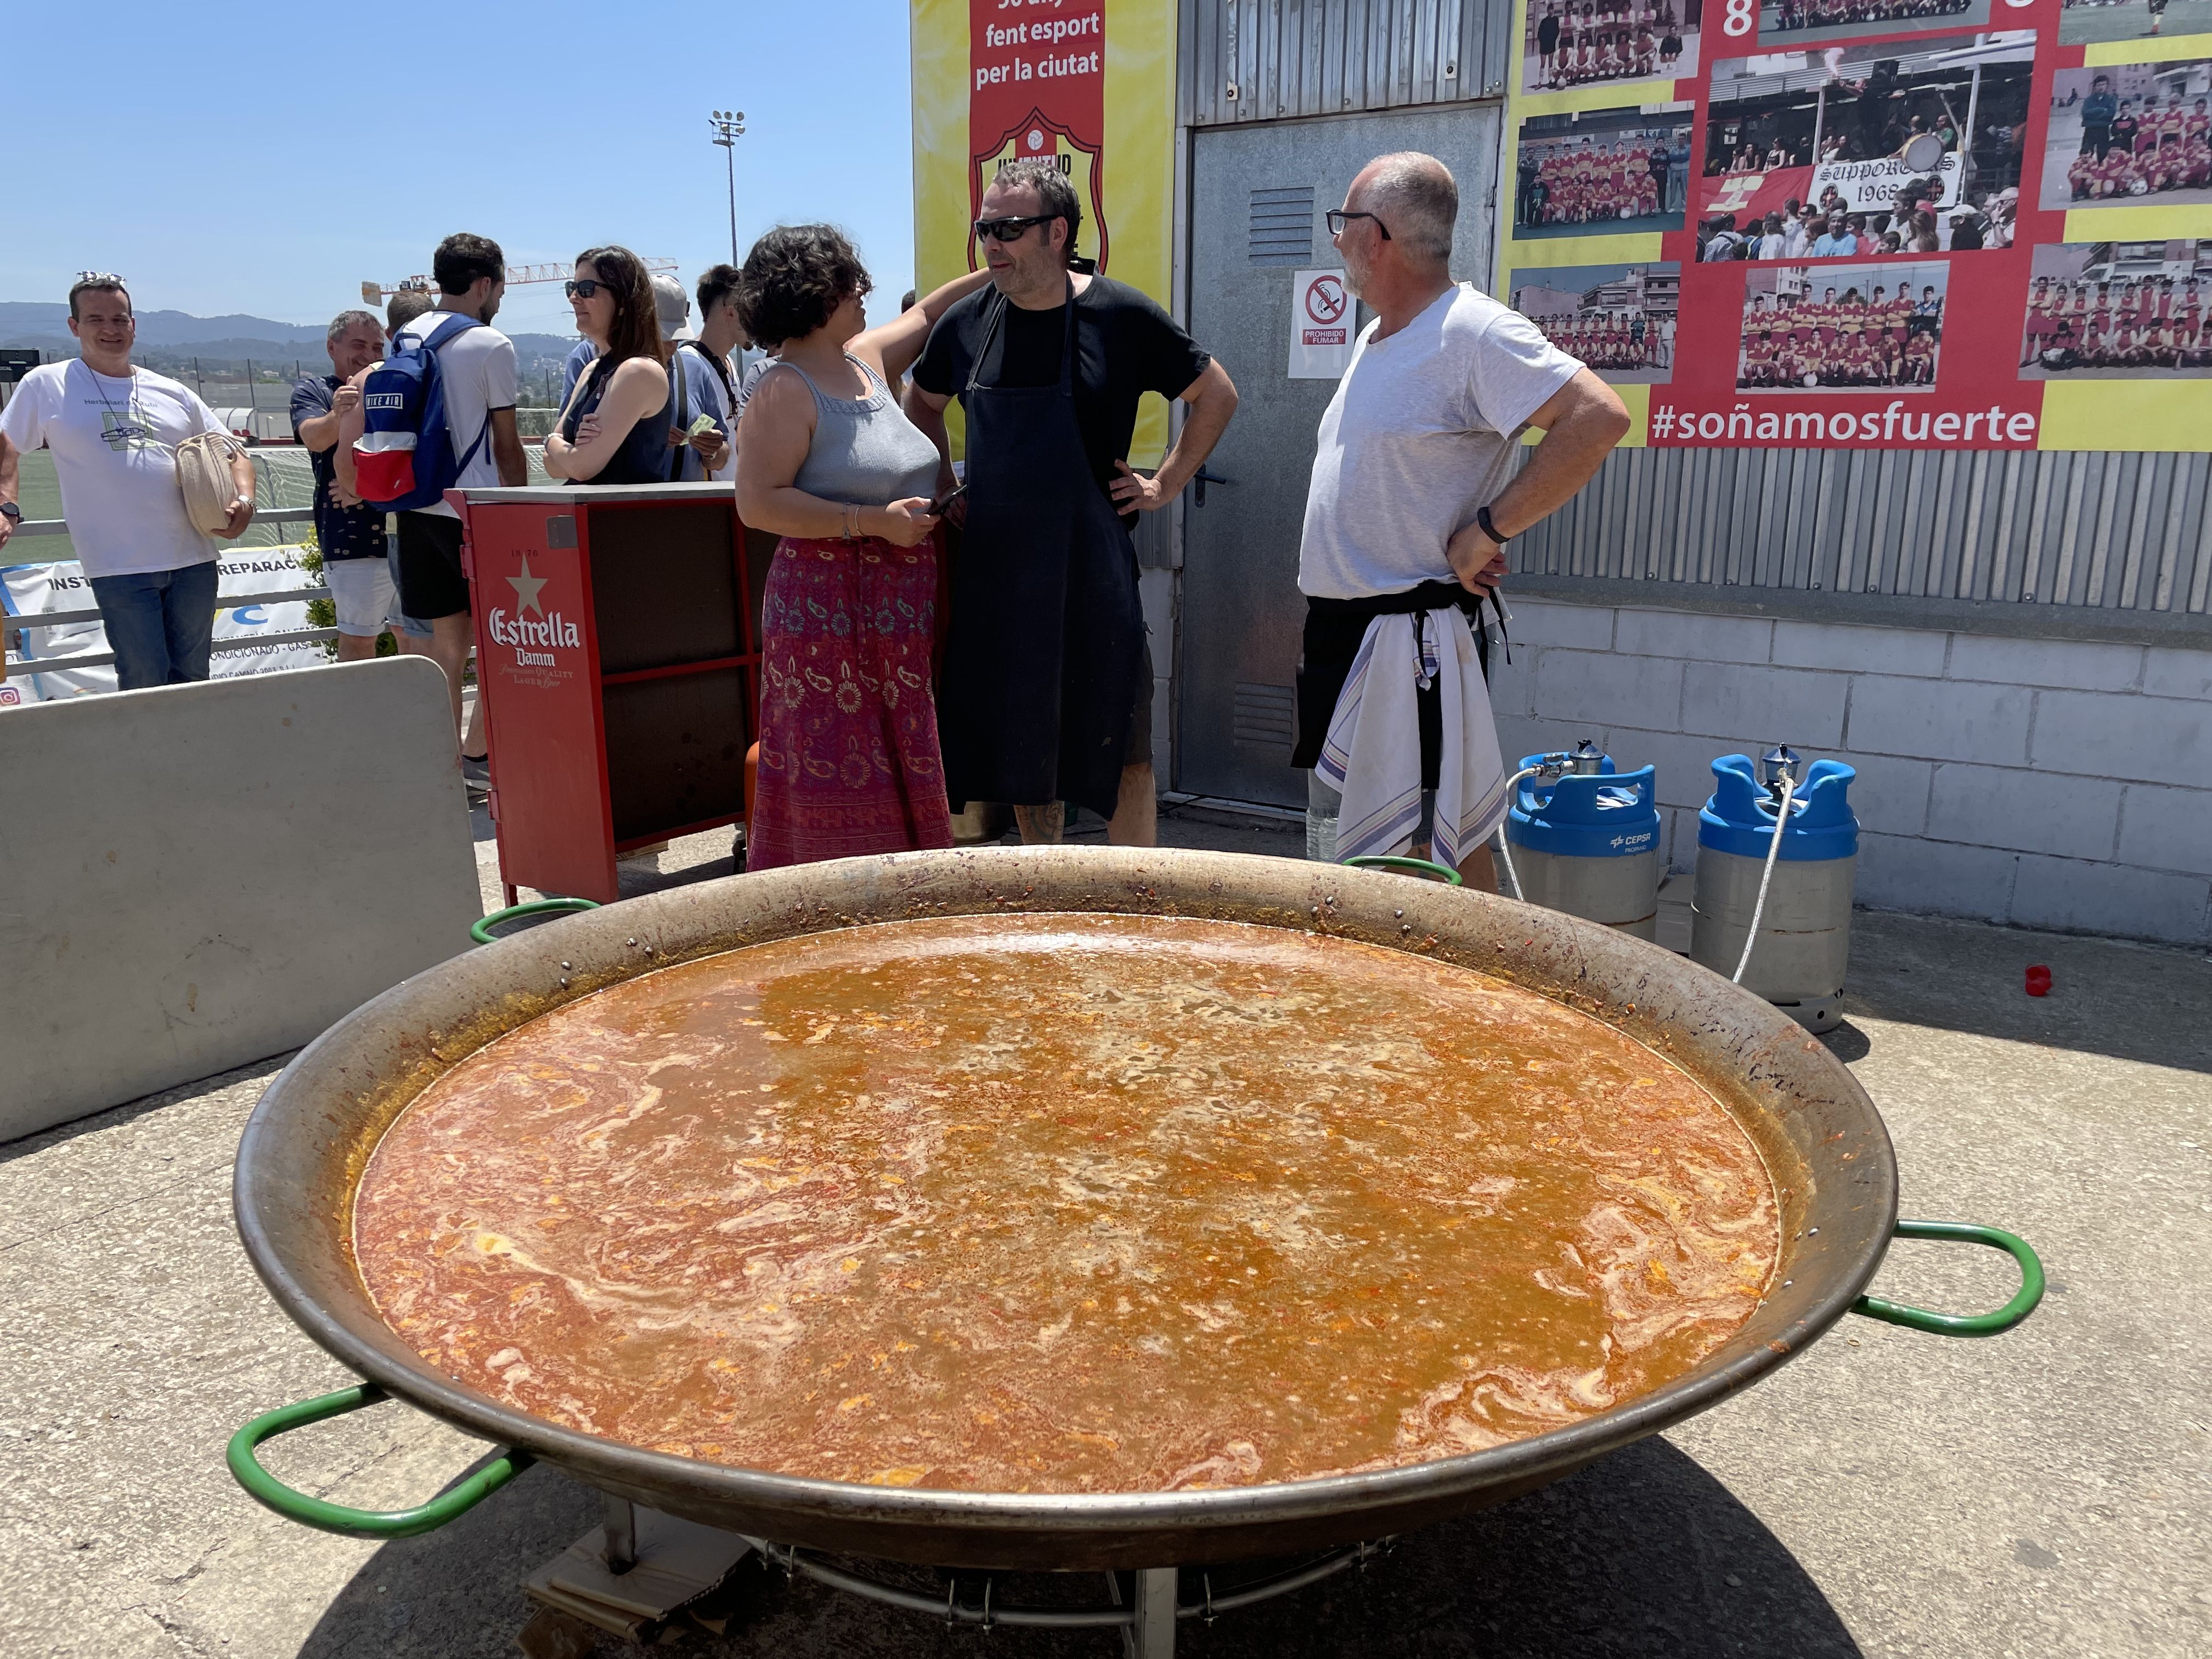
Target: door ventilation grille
{"type": "Point", "coordinates": [1282, 226]}
{"type": "Point", "coordinates": [1264, 716]}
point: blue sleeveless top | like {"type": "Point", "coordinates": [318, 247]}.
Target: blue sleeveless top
{"type": "Point", "coordinates": [864, 449]}
{"type": "Point", "coordinates": [644, 457]}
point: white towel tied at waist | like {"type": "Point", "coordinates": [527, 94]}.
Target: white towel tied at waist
{"type": "Point", "coordinates": [1373, 751]}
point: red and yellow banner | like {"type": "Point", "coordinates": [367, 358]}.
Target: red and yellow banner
{"type": "Point", "coordinates": [1088, 84]}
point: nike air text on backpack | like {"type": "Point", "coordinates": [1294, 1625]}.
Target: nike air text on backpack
{"type": "Point", "coordinates": [405, 456]}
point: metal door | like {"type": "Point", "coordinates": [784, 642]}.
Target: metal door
{"type": "Point", "coordinates": [1257, 195]}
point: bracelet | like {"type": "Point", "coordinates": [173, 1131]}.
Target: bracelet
{"type": "Point", "coordinates": [1489, 528]}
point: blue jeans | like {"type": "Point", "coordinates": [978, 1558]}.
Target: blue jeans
{"type": "Point", "coordinates": [160, 624]}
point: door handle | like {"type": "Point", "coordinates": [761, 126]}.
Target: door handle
{"type": "Point", "coordinates": [1202, 478]}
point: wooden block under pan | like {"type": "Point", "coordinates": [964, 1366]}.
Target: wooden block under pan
{"type": "Point", "coordinates": [677, 1562]}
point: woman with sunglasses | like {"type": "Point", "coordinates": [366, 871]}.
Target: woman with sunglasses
{"type": "Point", "coordinates": [848, 753]}
{"type": "Point", "coordinates": [612, 430]}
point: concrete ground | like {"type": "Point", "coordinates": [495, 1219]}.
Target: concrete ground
{"type": "Point", "coordinates": [2044, 1493]}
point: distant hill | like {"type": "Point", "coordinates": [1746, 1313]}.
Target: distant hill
{"type": "Point", "coordinates": [166, 329]}
{"type": "Point", "coordinates": [169, 340]}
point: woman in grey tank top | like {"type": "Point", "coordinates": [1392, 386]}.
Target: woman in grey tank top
{"type": "Point", "coordinates": [826, 461]}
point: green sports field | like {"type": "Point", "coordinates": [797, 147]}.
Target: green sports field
{"type": "Point", "coordinates": [2085, 24]}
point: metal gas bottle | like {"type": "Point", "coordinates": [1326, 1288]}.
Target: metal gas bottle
{"type": "Point", "coordinates": [1586, 839]}
{"type": "Point", "coordinates": [1805, 933]}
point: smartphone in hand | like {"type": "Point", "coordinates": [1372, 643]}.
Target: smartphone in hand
{"type": "Point", "coordinates": [937, 507]}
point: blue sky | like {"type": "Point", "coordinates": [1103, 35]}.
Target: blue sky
{"type": "Point", "coordinates": [226, 161]}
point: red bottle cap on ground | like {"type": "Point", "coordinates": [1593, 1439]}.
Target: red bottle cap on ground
{"type": "Point", "coordinates": [2038, 980]}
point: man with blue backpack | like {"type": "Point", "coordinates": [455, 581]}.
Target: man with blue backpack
{"type": "Point", "coordinates": [438, 414]}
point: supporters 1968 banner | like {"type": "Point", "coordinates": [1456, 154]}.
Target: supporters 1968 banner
{"type": "Point", "coordinates": [1884, 224]}
{"type": "Point", "coordinates": [1087, 85]}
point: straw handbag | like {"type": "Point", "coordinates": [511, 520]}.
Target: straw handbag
{"type": "Point", "coordinates": [204, 474]}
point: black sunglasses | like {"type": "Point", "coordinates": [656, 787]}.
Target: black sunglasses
{"type": "Point", "coordinates": [1338, 218]}
{"type": "Point", "coordinates": [1007, 230]}
{"type": "Point", "coordinates": [582, 287]}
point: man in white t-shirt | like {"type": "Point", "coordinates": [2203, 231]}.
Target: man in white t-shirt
{"type": "Point", "coordinates": [114, 430]}
{"type": "Point", "coordinates": [1413, 497]}
{"type": "Point", "coordinates": [478, 368]}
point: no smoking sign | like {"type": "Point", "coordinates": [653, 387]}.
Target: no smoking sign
{"type": "Point", "coordinates": [1326, 298]}
{"type": "Point", "coordinates": [1321, 325]}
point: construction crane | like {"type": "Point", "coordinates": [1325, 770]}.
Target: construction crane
{"type": "Point", "coordinates": [376, 293]}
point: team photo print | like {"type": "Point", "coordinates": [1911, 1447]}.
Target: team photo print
{"type": "Point", "coordinates": [1825, 328]}
{"type": "Point", "coordinates": [2089, 22]}
{"type": "Point", "coordinates": [1811, 22]}
{"type": "Point", "coordinates": [2130, 134]}
{"type": "Point", "coordinates": [1607, 172]}
{"type": "Point", "coordinates": [1903, 146]}
{"type": "Point", "coordinates": [1581, 43]}
{"type": "Point", "coordinates": [1617, 319]}
{"type": "Point", "coordinates": [2118, 311]}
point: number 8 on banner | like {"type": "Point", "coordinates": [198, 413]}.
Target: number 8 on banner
{"type": "Point", "coordinates": [1739, 18]}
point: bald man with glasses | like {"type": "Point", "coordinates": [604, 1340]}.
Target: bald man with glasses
{"type": "Point", "coordinates": [1046, 690]}
{"type": "Point", "coordinates": [1418, 484]}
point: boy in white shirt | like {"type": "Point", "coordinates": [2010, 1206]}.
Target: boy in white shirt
{"type": "Point", "coordinates": [477, 368]}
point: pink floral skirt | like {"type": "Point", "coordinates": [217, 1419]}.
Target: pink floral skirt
{"type": "Point", "coordinates": [848, 756]}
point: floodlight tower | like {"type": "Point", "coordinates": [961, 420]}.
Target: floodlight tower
{"type": "Point", "coordinates": [729, 126]}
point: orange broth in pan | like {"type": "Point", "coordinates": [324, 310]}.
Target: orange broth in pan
{"type": "Point", "coordinates": [1065, 1203]}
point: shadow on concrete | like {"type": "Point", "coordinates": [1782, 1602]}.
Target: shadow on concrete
{"type": "Point", "coordinates": [457, 1592]}
{"type": "Point", "coordinates": [1847, 1043]}
{"type": "Point", "coordinates": [1642, 1554]}
{"type": "Point", "coordinates": [2138, 1002]}
{"type": "Point", "coordinates": [115, 1116]}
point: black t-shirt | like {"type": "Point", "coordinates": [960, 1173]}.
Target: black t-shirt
{"type": "Point", "coordinates": [1124, 346]}
{"type": "Point", "coordinates": [341, 532]}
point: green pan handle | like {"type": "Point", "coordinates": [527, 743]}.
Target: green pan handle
{"type": "Point", "coordinates": [1391, 861]}
{"type": "Point", "coordinates": [481, 932]}
{"type": "Point", "coordinates": [1943, 1324]}
{"type": "Point", "coordinates": [266, 1489]}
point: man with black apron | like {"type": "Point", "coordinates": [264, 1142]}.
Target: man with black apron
{"type": "Point", "coordinates": [1046, 691]}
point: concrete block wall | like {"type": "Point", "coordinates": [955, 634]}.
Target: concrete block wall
{"type": "Point", "coordinates": [2050, 783]}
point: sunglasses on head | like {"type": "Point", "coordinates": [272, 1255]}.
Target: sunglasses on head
{"type": "Point", "coordinates": [1007, 230]}
{"type": "Point", "coordinates": [582, 287]}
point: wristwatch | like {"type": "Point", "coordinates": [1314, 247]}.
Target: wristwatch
{"type": "Point", "coordinates": [1489, 525]}
{"type": "Point", "coordinates": [10, 512]}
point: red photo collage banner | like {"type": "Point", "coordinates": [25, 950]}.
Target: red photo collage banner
{"type": "Point", "coordinates": [1863, 209]}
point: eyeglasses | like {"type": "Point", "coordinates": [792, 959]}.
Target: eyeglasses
{"type": "Point", "coordinates": [99, 279]}
{"type": "Point", "coordinates": [582, 287]}
{"type": "Point", "coordinates": [1339, 218]}
{"type": "Point", "coordinates": [1009, 230]}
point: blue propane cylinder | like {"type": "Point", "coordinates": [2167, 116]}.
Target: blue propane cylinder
{"type": "Point", "coordinates": [1587, 841]}
{"type": "Point", "coordinates": [1805, 932]}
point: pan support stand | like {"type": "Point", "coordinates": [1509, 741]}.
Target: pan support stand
{"type": "Point", "coordinates": [1145, 1613]}
{"type": "Point", "coordinates": [1151, 1635]}
{"type": "Point", "coordinates": [620, 1528]}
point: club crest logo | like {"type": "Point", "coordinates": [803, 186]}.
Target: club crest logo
{"type": "Point", "coordinates": [1037, 137]}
